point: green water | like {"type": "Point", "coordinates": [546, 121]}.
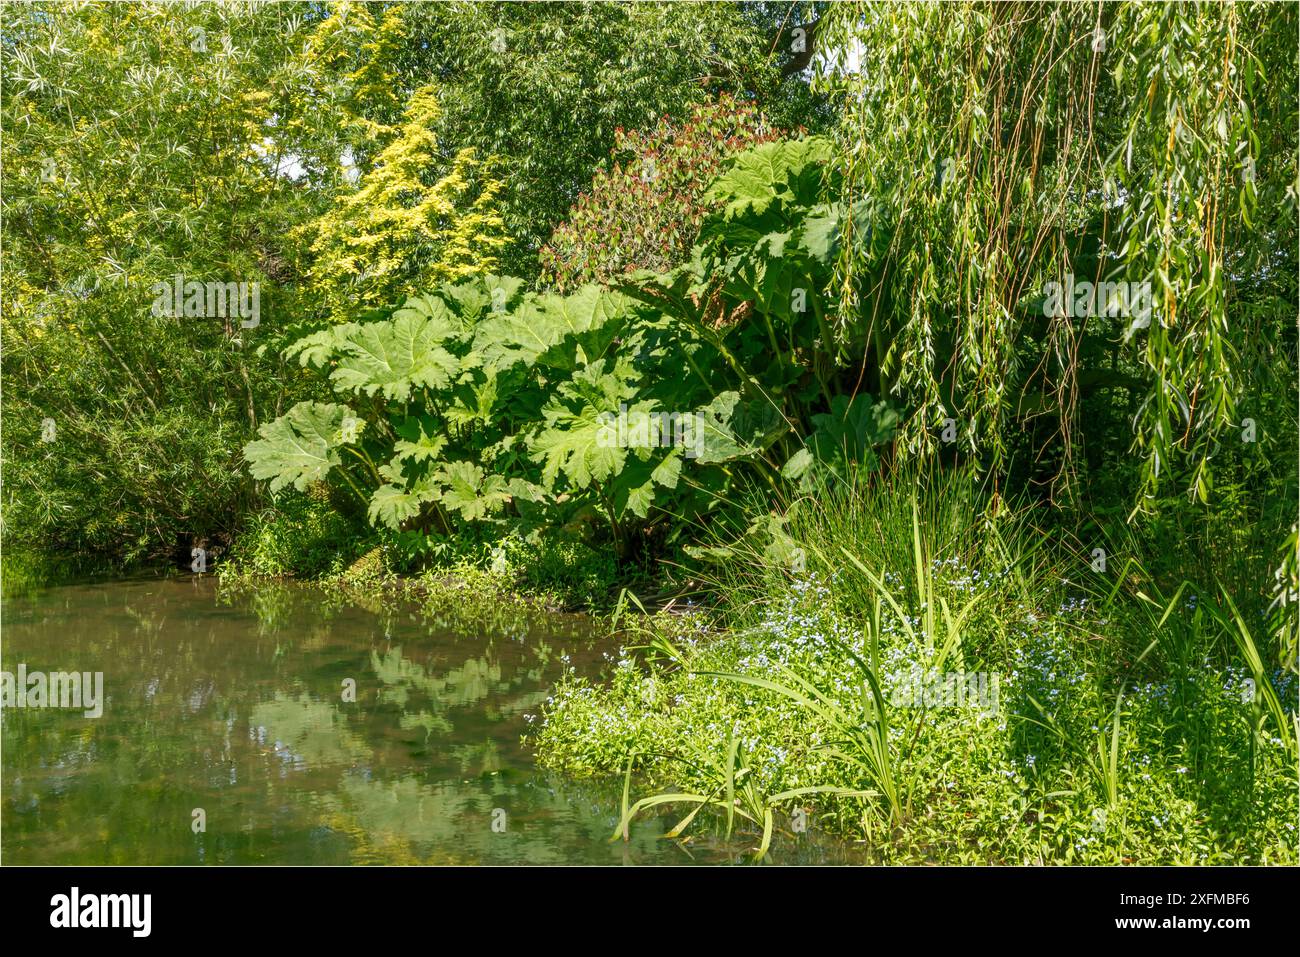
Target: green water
{"type": "Point", "coordinates": [235, 704]}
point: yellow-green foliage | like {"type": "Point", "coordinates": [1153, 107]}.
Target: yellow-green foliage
{"type": "Point", "coordinates": [402, 227]}
{"type": "Point", "coordinates": [350, 44]}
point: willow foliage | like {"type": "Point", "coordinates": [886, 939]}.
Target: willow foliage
{"type": "Point", "coordinates": [1016, 144]}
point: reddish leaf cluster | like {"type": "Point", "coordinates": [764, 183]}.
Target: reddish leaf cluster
{"type": "Point", "coordinates": [643, 210]}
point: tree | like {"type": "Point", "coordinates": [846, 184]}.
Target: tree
{"type": "Point", "coordinates": [1017, 145]}
{"type": "Point", "coordinates": [145, 142]}
{"type": "Point", "coordinates": [545, 87]}
{"type": "Point", "coordinates": [401, 229]}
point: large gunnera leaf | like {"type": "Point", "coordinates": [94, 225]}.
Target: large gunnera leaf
{"type": "Point", "coordinates": [787, 169]}
{"type": "Point", "coordinates": [580, 438]}
{"type": "Point", "coordinates": [846, 437]}
{"type": "Point", "coordinates": [420, 439]}
{"type": "Point", "coordinates": [474, 494]}
{"type": "Point", "coordinates": [558, 331]}
{"type": "Point", "coordinates": [851, 429]}
{"type": "Point", "coordinates": [635, 488]}
{"type": "Point", "coordinates": [319, 348]}
{"type": "Point", "coordinates": [300, 447]}
{"type": "Point", "coordinates": [475, 298]}
{"type": "Point", "coordinates": [396, 356]}
{"type": "Point", "coordinates": [575, 443]}
{"type": "Point", "coordinates": [728, 428]}
{"type": "Point", "coordinates": [391, 505]}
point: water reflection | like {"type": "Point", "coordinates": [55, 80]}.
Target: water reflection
{"type": "Point", "coordinates": [237, 704]}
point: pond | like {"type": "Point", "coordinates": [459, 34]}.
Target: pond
{"type": "Point", "coordinates": [285, 724]}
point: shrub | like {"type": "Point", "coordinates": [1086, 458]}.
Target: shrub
{"type": "Point", "coordinates": [630, 409]}
{"type": "Point", "coordinates": [304, 536]}
{"type": "Point", "coordinates": [645, 206]}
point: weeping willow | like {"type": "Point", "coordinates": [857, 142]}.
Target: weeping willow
{"type": "Point", "coordinates": [1020, 144]}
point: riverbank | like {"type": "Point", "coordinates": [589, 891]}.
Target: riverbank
{"type": "Point", "coordinates": [1047, 733]}
{"type": "Point", "coordinates": [889, 662]}
{"type": "Point", "coordinates": [988, 695]}
{"type": "Point", "coordinates": [1025, 774]}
